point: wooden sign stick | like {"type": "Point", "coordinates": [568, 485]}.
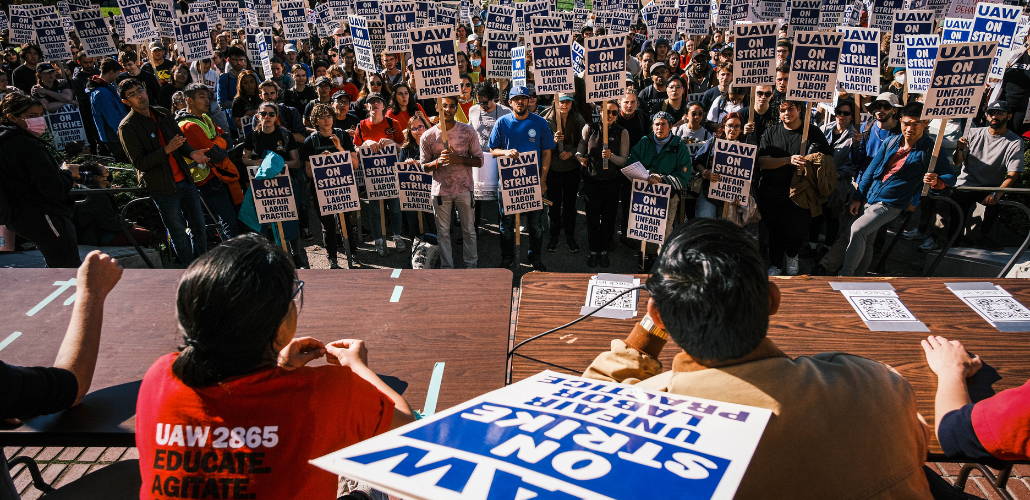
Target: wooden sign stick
{"type": "Point", "coordinates": [282, 236]}
{"type": "Point", "coordinates": [518, 233]}
{"type": "Point", "coordinates": [604, 128]}
{"type": "Point", "coordinates": [806, 126]}
{"type": "Point", "coordinates": [751, 112]}
{"type": "Point", "coordinates": [643, 255]}
{"type": "Point", "coordinates": [382, 217]}
{"type": "Point", "coordinates": [443, 126]}
{"type": "Point", "coordinates": [346, 240]}
{"type": "Point", "coordinates": [936, 153]}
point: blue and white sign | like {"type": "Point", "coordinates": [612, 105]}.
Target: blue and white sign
{"type": "Point", "coordinates": [3, 21]}
{"type": "Point", "coordinates": [530, 10]}
{"type": "Point", "coordinates": [377, 37]}
{"type": "Point", "coordinates": [416, 187]}
{"type": "Point", "coordinates": [195, 36]}
{"type": "Point", "coordinates": [164, 17]}
{"type": "Point", "coordinates": [500, 18]}
{"type": "Point", "coordinates": [255, 37]}
{"type": "Point", "coordinates": [648, 211]}
{"type": "Point", "coordinates": [363, 56]}
{"type": "Point", "coordinates": [263, 11]}
{"type": "Point", "coordinates": [859, 70]}
{"type": "Point", "coordinates": [380, 172]}
{"type": "Point", "coordinates": [804, 16]}
{"type": "Point", "coordinates": [735, 164]}
{"type": "Point", "coordinates": [562, 437]}
{"type": "Point", "coordinates": [578, 58]}
{"type": "Point", "coordinates": [698, 15]}
{"type": "Point", "coordinates": [518, 66]}
{"type": "Point", "coordinates": [552, 63]}
{"type": "Point", "coordinates": [139, 26]}
{"type": "Point", "coordinates": [447, 16]}
{"type": "Point", "coordinates": [214, 18]}
{"type": "Point", "coordinates": [21, 30]}
{"type": "Point", "coordinates": [334, 182]}
{"type": "Point", "coordinates": [400, 17]}
{"type": "Point", "coordinates": [67, 126]}
{"type": "Point", "coordinates": [959, 79]}
{"type": "Point", "coordinates": [520, 183]}
{"type": "Point", "coordinates": [754, 54]}
{"type": "Point", "coordinates": [882, 16]}
{"type": "Point", "coordinates": [994, 22]}
{"type": "Point", "coordinates": [907, 22]}
{"type": "Point", "coordinates": [435, 62]}
{"type": "Point", "coordinates": [831, 13]}
{"type": "Point", "coordinates": [605, 75]}
{"type": "Point", "coordinates": [295, 19]}
{"type": "Point", "coordinates": [273, 198]}
{"type": "Point", "coordinates": [498, 53]}
{"type": "Point", "coordinates": [813, 66]}
{"type": "Point", "coordinates": [369, 9]}
{"type": "Point", "coordinates": [956, 30]}
{"type": "Point", "coordinates": [230, 12]}
{"type": "Point", "coordinates": [771, 10]}
{"type": "Point", "coordinates": [547, 24]}
{"type": "Point", "coordinates": [920, 54]}
{"type": "Point", "coordinates": [52, 39]}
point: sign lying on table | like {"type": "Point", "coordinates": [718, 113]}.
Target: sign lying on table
{"type": "Point", "coordinates": [435, 62]}
{"type": "Point", "coordinates": [604, 287]}
{"type": "Point", "coordinates": [995, 305]}
{"type": "Point", "coordinates": [380, 172]}
{"type": "Point", "coordinates": [560, 436]}
{"type": "Point", "coordinates": [649, 211]}
{"type": "Point", "coordinates": [416, 187]}
{"type": "Point", "coordinates": [754, 54]}
{"type": "Point", "coordinates": [859, 69]}
{"type": "Point", "coordinates": [735, 164]}
{"type": "Point", "coordinates": [335, 186]}
{"type": "Point", "coordinates": [880, 307]}
{"type": "Point", "coordinates": [920, 54]}
{"type": "Point", "coordinates": [520, 183]}
{"type": "Point", "coordinates": [273, 198]}
{"type": "Point", "coordinates": [957, 84]}
{"type": "Point", "coordinates": [605, 75]}
{"type": "Point", "coordinates": [912, 22]}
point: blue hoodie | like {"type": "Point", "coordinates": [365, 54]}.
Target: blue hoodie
{"type": "Point", "coordinates": [905, 186]}
{"type": "Point", "coordinates": [108, 111]}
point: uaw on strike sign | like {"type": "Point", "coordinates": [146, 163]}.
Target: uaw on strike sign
{"type": "Point", "coordinates": [555, 436]}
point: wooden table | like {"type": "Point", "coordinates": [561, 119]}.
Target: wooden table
{"type": "Point", "coordinates": [813, 318]}
{"type": "Point", "coordinates": [460, 317]}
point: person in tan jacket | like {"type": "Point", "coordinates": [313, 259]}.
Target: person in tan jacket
{"type": "Point", "coordinates": [843, 427]}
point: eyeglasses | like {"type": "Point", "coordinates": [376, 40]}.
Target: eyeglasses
{"type": "Point", "coordinates": [845, 113]}
{"type": "Point", "coordinates": [674, 87]}
{"type": "Point", "coordinates": [878, 106]}
{"type": "Point", "coordinates": [733, 126]}
{"type": "Point", "coordinates": [375, 84]}
{"type": "Point", "coordinates": [612, 112]}
{"type": "Point", "coordinates": [764, 94]}
{"type": "Point", "coordinates": [266, 113]}
{"type": "Point", "coordinates": [995, 112]}
{"type": "Point", "coordinates": [298, 295]}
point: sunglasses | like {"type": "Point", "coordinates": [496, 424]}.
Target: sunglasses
{"type": "Point", "coordinates": [375, 84]}
{"type": "Point", "coordinates": [266, 113]}
{"type": "Point", "coordinates": [879, 107]}
{"type": "Point", "coordinates": [995, 112]}
{"type": "Point", "coordinates": [845, 113]}
{"type": "Point", "coordinates": [466, 85]}
{"type": "Point", "coordinates": [612, 112]}
{"type": "Point", "coordinates": [764, 94]}
{"type": "Point", "coordinates": [298, 295]}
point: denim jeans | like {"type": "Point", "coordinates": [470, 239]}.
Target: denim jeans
{"type": "Point", "coordinates": [375, 221]}
{"type": "Point", "coordinates": [863, 233]}
{"type": "Point", "coordinates": [445, 206]}
{"type": "Point", "coordinates": [216, 194]}
{"type": "Point", "coordinates": [178, 211]}
{"type": "Point", "coordinates": [534, 225]}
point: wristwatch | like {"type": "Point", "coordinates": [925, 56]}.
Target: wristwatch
{"type": "Point", "coordinates": [648, 324]}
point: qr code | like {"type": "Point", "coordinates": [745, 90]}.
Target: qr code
{"type": "Point", "coordinates": [882, 308]}
{"type": "Point", "coordinates": [604, 294]}
{"type": "Point", "coordinates": [1000, 308]}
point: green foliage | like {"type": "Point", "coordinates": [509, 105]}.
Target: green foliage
{"type": "Point", "coordinates": [105, 11]}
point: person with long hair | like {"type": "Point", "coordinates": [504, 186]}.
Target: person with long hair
{"type": "Point", "coordinates": [411, 154]}
{"type": "Point", "coordinates": [602, 185]}
{"type": "Point", "coordinates": [180, 78]}
{"type": "Point", "coordinates": [237, 309]}
{"type": "Point", "coordinates": [327, 139]}
{"type": "Point", "coordinates": [563, 179]}
{"type": "Point", "coordinates": [730, 129]}
{"type": "Point", "coordinates": [248, 98]}
{"type": "Point", "coordinates": [34, 186]}
{"type": "Point", "coordinates": [403, 104]}
{"type": "Point", "coordinates": [465, 67]}
{"type": "Point", "coordinates": [373, 83]}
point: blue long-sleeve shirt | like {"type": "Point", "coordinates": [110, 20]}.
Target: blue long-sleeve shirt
{"type": "Point", "coordinates": [872, 138]}
{"type": "Point", "coordinates": [108, 111]}
{"type": "Point", "coordinates": [904, 187]}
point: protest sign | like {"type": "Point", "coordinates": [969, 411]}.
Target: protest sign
{"type": "Point", "coordinates": [369, 9]}
{"type": "Point", "coordinates": [265, 52]}
{"type": "Point", "coordinates": [605, 67]}
{"type": "Point", "coordinates": [831, 13]}
{"type": "Point", "coordinates": [273, 198]}
{"type": "Point", "coordinates": [956, 30]}
{"type": "Point", "coordinates": [263, 12]}
{"type": "Point", "coordinates": [74, 5]}
{"type": "Point", "coordinates": [210, 8]}
{"type": "Point", "coordinates": [853, 14]}
{"type": "Point", "coordinates": [697, 15]}
{"type": "Point", "coordinates": [859, 70]}
{"type": "Point", "coordinates": [3, 21]}
{"type": "Point", "coordinates": [804, 16]}
{"type": "Point", "coordinates": [959, 75]}
{"type": "Point", "coordinates": [363, 57]}
{"type": "Point", "coordinates": [164, 18]}
{"type": "Point", "coordinates": [997, 23]}
{"type": "Point", "coordinates": [400, 17]}
{"type": "Point", "coordinates": [230, 12]}
{"type": "Point", "coordinates": [911, 22]}
{"type": "Point", "coordinates": [425, 13]}
{"type": "Point", "coordinates": [773, 9]}
{"type": "Point", "coordinates": [552, 63]}
{"type": "Point", "coordinates": [754, 54]}
{"type": "Point", "coordinates": [498, 53]}
{"type": "Point", "coordinates": [939, 8]}
{"type": "Point", "coordinates": [21, 29]}
{"type": "Point", "coordinates": [621, 21]}
{"type": "Point", "coordinates": [62, 9]}
{"type": "Point", "coordinates": [416, 187]}
{"type": "Point", "coordinates": [500, 18]}
{"type": "Point", "coordinates": [814, 66]}
{"type": "Point", "coordinates": [965, 9]}
{"type": "Point", "coordinates": [735, 164]}
{"type": "Point", "coordinates": [578, 59]}
{"type": "Point", "coordinates": [67, 126]}
{"type": "Point", "coordinates": [436, 62]}
{"type": "Point", "coordinates": [379, 171]}
{"type": "Point", "coordinates": [139, 26]}
{"type": "Point", "coordinates": [377, 37]}
{"type": "Point", "coordinates": [531, 9]}
{"type": "Point", "coordinates": [648, 211]}
{"type": "Point", "coordinates": [255, 36]}
{"type": "Point", "coordinates": [721, 10]}
{"type": "Point", "coordinates": [337, 10]}
{"type": "Point", "coordinates": [119, 24]}
{"type": "Point", "coordinates": [597, 440]}
{"type": "Point", "coordinates": [568, 20]}
{"type": "Point", "coordinates": [334, 183]}
{"type": "Point", "coordinates": [520, 183]}
{"type": "Point", "coordinates": [447, 16]}
{"type": "Point", "coordinates": [882, 15]}
{"type": "Point", "coordinates": [546, 24]}
{"type": "Point", "coordinates": [295, 19]}
{"type": "Point", "coordinates": [581, 15]}
{"type": "Point", "coordinates": [739, 10]}
{"type": "Point", "coordinates": [921, 52]}
{"type": "Point", "coordinates": [52, 39]}
{"type": "Point", "coordinates": [518, 66]}
{"type": "Point", "coordinates": [196, 38]}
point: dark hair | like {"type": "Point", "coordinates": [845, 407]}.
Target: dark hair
{"type": "Point", "coordinates": [275, 60]}
{"type": "Point", "coordinates": [846, 102]}
{"type": "Point", "coordinates": [798, 105]}
{"type": "Point", "coordinates": [486, 89]}
{"type": "Point", "coordinates": [783, 68]}
{"type": "Point", "coordinates": [30, 46]}
{"type": "Point", "coordinates": [711, 290]}
{"type": "Point", "coordinates": [127, 56]}
{"type": "Point", "coordinates": [412, 106]}
{"type": "Point", "coordinates": [234, 51]}
{"type": "Point", "coordinates": [321, 63]}
{"type": "Point", "coordinates": [127, 85]}
{"type": "Point", "coordinates": [912, 110]}
{"type": "Point", "coordinates": [409, 138]}
{"type": "Point", "coordinates": [16, 103]}
{"type": "Point", "coordinates": [230, 303]}
{"type": "Point", "coordinates": [108, 65]}
{"type": "Point", "coordinates": [191, 90]}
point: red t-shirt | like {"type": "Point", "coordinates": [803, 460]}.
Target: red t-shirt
{"type": "Point", "coordinates": [1002, 423]}
{"type": "Point", "coordinates": [366, 131]}
{"type": "Point", "coordinates": [403, 117]}
{"type": "Point", "coordinates": [251, 436]}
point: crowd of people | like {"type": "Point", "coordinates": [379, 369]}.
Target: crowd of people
{"type": "Point", "coordinates": [191, 128]}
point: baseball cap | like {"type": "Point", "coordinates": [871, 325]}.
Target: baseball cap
{"type": "Point", "coordinates": [45, 68]}
{"type": "Point", "coordinates": [701, 54]}
{"type": "Point", "coordinates": [339, 32]}
{"type": "Point", "coordinates": [532, 89]}
{"type": "Point", "coordinates": [341, 93]}
{"type": "Point", "coordinates": [518, 90]}
{"type": "Point", "coordinates": [1002, 106]}
{"type": "Point", "coordinates": [629, 77]}
{"type": "Point", "coordinates": [372, 96]}
{"type": "Point", "coordinates": [887, 97]}
{"type": "Point", "coordinates": [156, 46]}
{"type": "Point", "coordinates": [565, 97]}
{"type": "Point", "coordinates": [657, 65]}
{"type": "Point", "coordinates": [661, 41]}
{"type": "Point", "coordinates": [290, 48]}
{"type": "Point", "coordinates": [323, 79]}
{"type": "Point", "coordinates": [899, 69]}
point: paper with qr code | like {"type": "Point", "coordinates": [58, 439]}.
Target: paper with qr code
{"type": "Point", "coordinates": [605, 287]}
{"type": "Point", "coordinates": [880, 307]}
{"type": "Point", "coordinates": [995, 305]}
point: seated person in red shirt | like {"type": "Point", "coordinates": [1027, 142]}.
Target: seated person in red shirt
{"type": "Point", "coordinates": [990, 431]}
{"type": "Point", "coordinates": [237, 409]}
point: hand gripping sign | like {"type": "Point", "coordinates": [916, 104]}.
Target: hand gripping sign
{"type": "Point", "coordinates": [649, 211]}
{"type": "Point", "coordinates": [335, 187]}
{"type": "Point", "coordinates": [520, 183]}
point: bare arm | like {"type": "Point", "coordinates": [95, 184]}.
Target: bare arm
{"type": "Point", "coordinates": [768, 162]}
{"type": "Point", "coordinates": [294, 162]}
{"type": "Point", "coordinates": [545, 166]}
{"type": "Point", "coordinates": [96, 278]}
{"type": "Point", "coordinates": [352, 353]}
{"type": "Point", "coordinates": [952, 364]}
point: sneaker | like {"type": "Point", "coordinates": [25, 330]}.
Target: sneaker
{"type": "Point", "coordinates": [604, 260]}
{"type": "Point", "coordinates": [306, 234]}
{"type": "Point", "coordinates": [333, 264]}
{"type": "Point", "coordinates": [985, 243]}
{"type": "Point", "coordinates": [573, 246]}
{"type": "Point", "coordinates": [593, 260]}
{"type": "Point", "coordinates": [539, 266]}
{"type": "Point", "coordinates": [792, 266]}
{"type": "Point", "coordinates": [928, 245]}
{"type": "Point", "coordinates": [774, 271]}
{"type": "Point", "coordinates": [381, 247]}
{"type": "Point", "coordinates": [399, 243]}
{"type": "Point", "coordinates": [914, 234]}
{"type": "Point", "coordinates": [552, 244]}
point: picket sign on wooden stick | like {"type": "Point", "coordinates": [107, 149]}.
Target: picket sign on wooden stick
{"type": "Point", "coordinates": [936, 152]}
{"type": "Point", "coordinates": [282, 236]}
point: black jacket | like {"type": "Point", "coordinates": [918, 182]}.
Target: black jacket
{"type": "Point", "coordinates": [32, 181]}
{"type": "Point", "coordinates": [139, 137]}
